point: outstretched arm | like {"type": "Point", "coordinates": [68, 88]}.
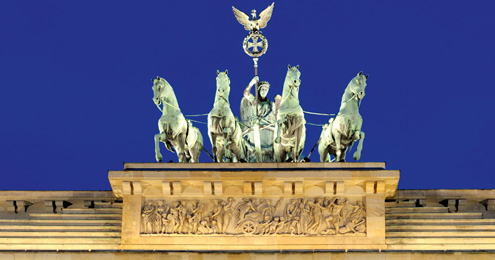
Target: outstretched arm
{"type": "Point", "coordinates": [247, 91]}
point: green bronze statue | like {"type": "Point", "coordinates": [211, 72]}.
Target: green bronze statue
{"type": "Point", "coordinates": [176, 132]}
{"type": "Point", "coordinates": [223, 128]}
{"type": "Point", "coordinates": [290, 128]}
{"type": "Point", "coordinates": [345, 129]}
{"type": "Point", "coordinates": [258, 128]}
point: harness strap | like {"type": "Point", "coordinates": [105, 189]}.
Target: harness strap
{"type": "Point", "coordinates": [290, 94]}
{"type": "Point", "coordinates": [350, 98]}
{"type": "Point", "coordinates": [354, 95]}
{"type": "Point", "coordinates": [170, 105]}
{"type": "Point", "coordinates": [159, 108]}
{"type": "Point", "coordinates": [318, 114]}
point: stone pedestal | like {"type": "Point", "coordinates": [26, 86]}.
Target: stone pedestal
{"type": "Point", "coordinates": [253, 206]}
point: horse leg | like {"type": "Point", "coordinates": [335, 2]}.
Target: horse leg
{"type": "Point", "coordinates": [181, 147]}
{"type": "Point", "coordinates": [275, 152]}
{"type": "Point", "coordinates": [279, 130]}
{"type": "Point", "coordinates": [278, 152]}
{"type": "Point", "coordinates": [293, 153]}
{"type": "Point", "coordinates": [234, 149]}
{"type": "Point", "coordinates": [220, 153]}
{"type": "Point", "coordinates": [197, 148]}
{"type": "Point", "coordinates": [241, 149]}
{"type": "Point", "coordinates": [323, 151]}
{"type": "Point", "coordinates": [218, 150]}
{"type": "Point", "coordinates": [344, 153]}
{"type": "Point", "coordinates": [285, 154]}
{"type": "Point", "coordinates": [293, 150]}
{"type": "Point", "coordinates": [359, 136]}
{"type": "Point", "coordinates": [213, 139]}
{"type": "Point", "coordinates": [338, 147]}
{"type": "Point", "coordinates": [297, 151]}
{"type": "Point", "coordinates": [195, 152]}
{"type": "Point", "coordinates": [158, 138]}
{"type": "Point", "coordinates": [227, 133]}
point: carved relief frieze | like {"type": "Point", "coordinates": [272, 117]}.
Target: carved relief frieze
{"type": "Point", "coordinates": [319, 216]}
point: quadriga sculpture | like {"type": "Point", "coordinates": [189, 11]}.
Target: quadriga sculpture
{"type": "Point", "coordinates": [175, 132]}
{"type": "Point", "coordinates": [345, 129]}
{"type": "Point", "coordinates": [290, 128]}
{"type": "Point", "coordinates": [223, 128]}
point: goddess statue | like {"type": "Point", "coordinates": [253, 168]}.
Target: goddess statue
{"type": "Point", "coordinates": [258, 121]}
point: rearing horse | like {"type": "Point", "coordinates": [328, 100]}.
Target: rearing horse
{"type": "Point", "coordinates": [345, 129]}
{"type": "Point", "coordinates": [175, 131]}
{"type": "Point", "coordinates": [223, 128]}
{"type": "Point", "coordinates": [290, 128]}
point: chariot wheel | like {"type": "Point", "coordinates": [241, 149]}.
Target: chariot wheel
{"type": "Point", "coordinates": [248, 227]}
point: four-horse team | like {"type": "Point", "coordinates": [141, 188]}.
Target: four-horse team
{"type": "Point", "coordinates": [268, 131]}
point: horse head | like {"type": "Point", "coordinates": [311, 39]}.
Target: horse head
{"type": "Point", "coordinates": [292, 82]}
{"type": "Point", "coordinates": [161, 89]}
{"type": "Point", "coordinates": [223, 86]}
{"type": "Point", "coordinates": [357, 86]}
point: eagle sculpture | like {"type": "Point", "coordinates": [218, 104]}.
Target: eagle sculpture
{"type": "Point", "coordinates": [255, 24]}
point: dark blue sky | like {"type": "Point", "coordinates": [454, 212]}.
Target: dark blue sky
{"type": "Point", "coordinates": [76, 96]}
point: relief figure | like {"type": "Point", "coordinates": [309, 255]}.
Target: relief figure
{"type": "Point", "coordinates": [251, 216]}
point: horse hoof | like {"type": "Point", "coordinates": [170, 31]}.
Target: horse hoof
{"type": "Point", "coordinates": [289, 160]}
{"type": "Point", "coordinates": [242, 160]}
{"type": "Point", "coordinates": [306, 159]}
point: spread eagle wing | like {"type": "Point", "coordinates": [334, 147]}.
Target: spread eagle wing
{"type": "Point", "coordinates": [242, 18]}
{"type": "Point", "coordinates": [246, 110]}
{"type": "Point", "coordinates": [265, 16]}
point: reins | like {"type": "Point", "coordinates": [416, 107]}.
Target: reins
{"type": "Point", "coordinates": [353, 96]}
{"type": "Point", "coordinates": [168, 104]}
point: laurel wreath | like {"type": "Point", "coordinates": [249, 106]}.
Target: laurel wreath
{"type": "Point", "coordinates": [254, 36]}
